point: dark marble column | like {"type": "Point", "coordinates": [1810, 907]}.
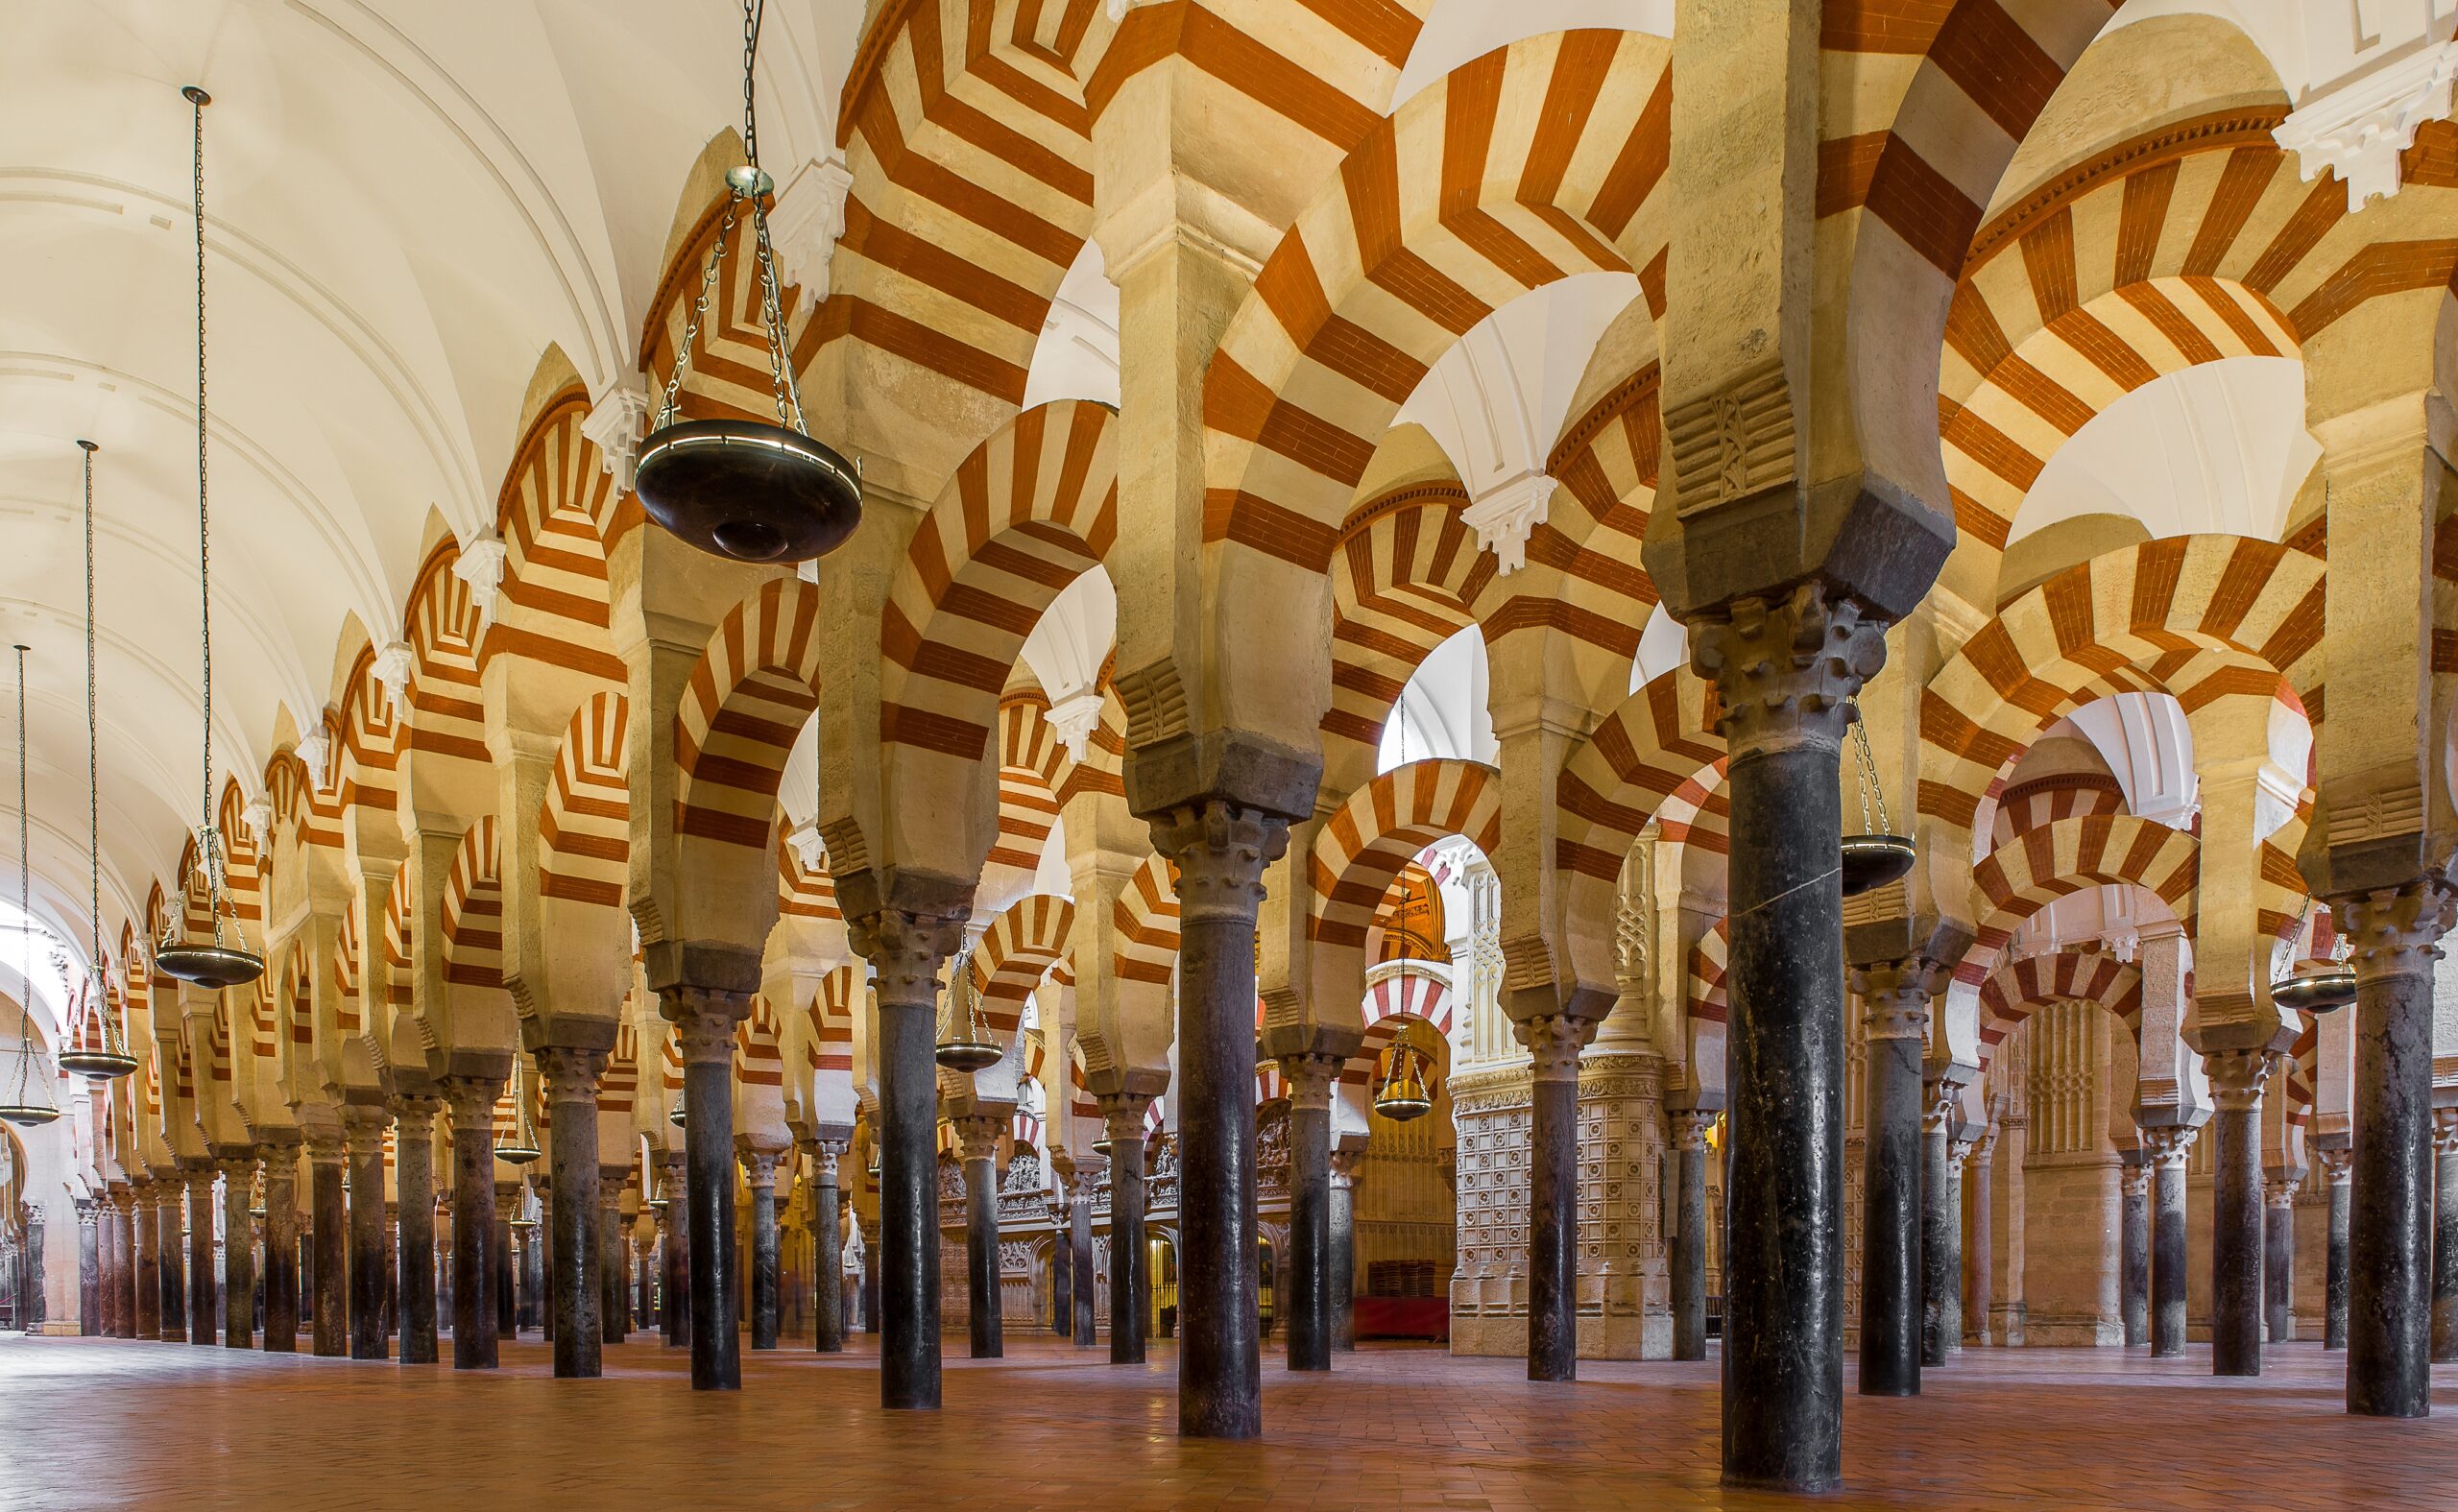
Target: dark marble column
{"type": "Point", "coordinates": [2445, 1235]}
{"type": "Point", "coordinates": [444, 1248]}
{"type": "Point", "coordinates": [1940, 1233]}
{"type": "Point", "coordinates": [1895, 1002]}
{"type": "Point", "coordinates": [2390, 1234]}
{"type": "Point", "coordinates": [1344, 1165]}
{"type": "Point", "coordinates": [2236, 1078]}
{"type": "Point", "coordinates": [986, 1322]}
{"type": "Point", "coordinates": [1084, 1308]}
{"type": "Point", "coordinates": [281, 1249]}
{"type": "Point", "coordinates": [704, 1020]}
{"type": "Point", "coordinates": [645, 1281]}
{"type": "Point", "coordinates": [475, 1319]}
{"type": "Point", "coordinates": [870, 1282]}
{"type": "Point", "coordinates": [413, 1192]}
{"type": "Point", "coordinates": [2133, 1249]}
{"type": "Point", "coordinates": [370, 1256]}
{"type": "Point", "coordinates": [146, 1240]}
{"type": "Point", "coordinates": [1062, 1265]}
{"type": "Point", "coordinates": [1123, 1116]}
{"type": "Point", "coordinates": [502, 1266]}
{"type": "Point", "coordinates": [238, 1249]}
{"type": "Point", "coordinates": [1221, 850]}
{"type": "Point", "coordinates": [2278, 1261]}
{"type": "Point", "coordinates": [118, 1317]}
{"type": "Point", "coordinates": [1553, 1045]}
{"type": "Point", "coordinates": [674, 1246]}
{"type": "Point", "coordinates": [578, 1295]}
{"type": "Point", "coordinates": [1785, 670]}
{"type": "Point", "coordinates": [613, 1254]}
{"type": "Point", "coordinates": [1310, 1078]}
{"type": "Point", "coordinates": [827, 1243]}
{"type": "Point", "coordinates": [91, 1323]}
{"type": "Point", "coordinates": [1686, 1247]}
{"type": "Point", "coordinates": [905, 951]}
{"type": "Point", "coordinates": [530, 1243]}
{"type": "Point", "coordinates": [202, 1320]}
{"type": "Point", "coordinates": [760, 1169]}
{"type": "Point", "coordinates": [2166, 1149]}
{"type": "Point", "coordinates": [2336, 1166]}
{"type": "Point", "coordinates": [328, 1222]}
{"type": "Point", "coordinates": [171, 1232]}
{"type": "Point", "coordinates": [124, 1204]}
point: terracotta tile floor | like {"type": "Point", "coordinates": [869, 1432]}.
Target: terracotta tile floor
{"type": "Point", "coordinates": [92, 1423]}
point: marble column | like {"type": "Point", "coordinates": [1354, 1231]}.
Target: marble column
{"type": "Point", "coordinates": [238, 1249]}
{"type": "Point", "coordinates": [2394, 934]}
{"type": "Point", "coordinates": [328, 1221]}
{"type": "Point", "coordinates": [2337, 1165]}
{"type": "Point", "coordinates": [1978, 1178]}
{"type": "Point", "coordinates": [870, 1280]}
{"type": "Point", "coordinates": [578, 1295]}
{"type": "Point", "coordinates": [2133, 1249]}
{"type": "Point", "coordinates": [1123, 1122]}
{"type": "Point", "coordinates": [2236, 1079]}
{"type": "Point", "coordinates": [1941, 1232]}
{"type": "Point", "coordinates": [905, 951]}
{"type": "Point", "coordinates": [474, 1318]}
{"type": "Point", "coordinates": [124, 1285]}
{"type": "Point", "coordinates": [1553, 1045]}
{"type": "Point", "coordinates": [704, 1028]}
{"type": "Point", "coordinates": [202, 1320]}
{"type": "Point", "coordinates": [827, 1241]}
{"type": "Point", "coordinates": [146, 1240]}
{"type": "Point", "coordinates": [172, 1234]}
{"type": "Point", "coordinates": [1894, 1001]}
{"type": "Point", "coordinates": [1062, 1264]}
{"type": "Point", "coordinates": [985, 1325]}
{"type": "Point", "coordinates": [281, 1249]}
{"type": "Point", "coordinates": [371, 1255]}
{"type": "Point", "coordinates": [441, 1260]}
{"type": "Point", "coordinates": [501, 1267]}
{"type": "Point", "coordinates": [759, 1172]}
{"type": "Point", "coordinates": [1686, 1248]}
{"type": "Point", "coordinates": [2445, 1235]}
{"type": "Point", "coordinates": [674, 1245]}
{"type": "Point", "coordinates": [1309, 1077]}
{"type": "Point", "coordinates": [90, 1322]}
{"type": "Point", "coordinates": [645, 1281]}
{"type": "Point", "coordinates": [1077, 1238]}
{"type": "Point", "coordinates": [1785, 670]}
{"type": "Point", "coordinates": [414, 1191]}
{"type": "Point", "coordinates": [2166, 1148]}
{"type": "Point", "coordinates": [1343, 1206]}
{"type": "Point", "coordinates": [614, 1255]}
{"type": "Point", "coordinates": [2279, 1260]}
{"type": "Point", "coordinates": [1221, 850]}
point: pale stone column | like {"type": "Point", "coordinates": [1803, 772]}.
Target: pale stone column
{"type": "Point", "coordinates": [1624, 1297]}
{"type": "Point", "coordinates": [1979, 1168]}
{"type": "Point", "coordinates": [613, 1254]}
{"type": "Point", "coordinates": [1342, 1184]}
{"type": "Point", "coordinates": [91, 1323]}
{"type": "Point", "coordinates": [2338, 1164]}
{"type": "Point", "coordinates": [2134, 1246]}
{"type": "Point", "coordinates": [2236, 1081]}
{"type": "Point", "coordinates": [1940, 1231]}
{"type": "Point", "coordinates": [414, 1243]}
{"type": "Point", "coordinates": [2279, 1258]}
{"type": "Point", "coordinates": [1894, 998]}
{"type": "Point", "coordinates": [124, 1289]}
{"type": "Point", "coordinates": [760, 1173]}
{"type": "Point", "coordinates": [2166, 1148]}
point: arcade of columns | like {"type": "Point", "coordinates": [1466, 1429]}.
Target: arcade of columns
{"type": "Point", "coordinates": [542, 839]}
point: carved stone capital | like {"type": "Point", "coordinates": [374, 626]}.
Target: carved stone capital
{"type": "Point", "coordinates": [1553, 1043]}
{"type": "Point", "coordinates": [2237, 1078]}
{"type": "Point", "coordinates": [1345, 1164]}
{"type": "Point", "coordinates": [760, 1169]}
{"type": "Point", "coordinates": [1896, 994]}
{"type": "Point", "coordinates": [2444, 1133]}
{"type": "Point", "coordinates": [1221, 850]}
{"type": "Point", "coordinates": [1785, 668]}
{"type": "Point", "coordinates": [1690, 1130]}
{"type": "Point", "coordinates": [1309, 1077]}
{"type": "Point", "coordinates": [704, 1020]}
{"type": "Point", "coordinates": [977, 1136]}
{"type": "Point", "coordinates": [2395, 931]}
{"type": "Point", "coordinates": [327, 1147]}
{"type": "Point", "coordinates": [2280, 1191]}
{"type": "Point", "coordinates": [472, 1099]}
{"type": "Point", "coordinates": [416, 1115]}
{"type": "Point", "coordinates": [238, 1168]}
{"type": "Point", "coordinates": [570, 1072]}
{"type": "Point", "coordinates": [824, 1156]}
{"type": "Point", "coordinates": [2135, 1179]}
{"type": "Point", "coordinates": [905, 951]}
{"type": "Point", "coordinates": [1123, 1115]}
{"type": "Point", "coordinates": [2338, 1166]}
{"type": "Point", "coordinates": [2167, 1146]}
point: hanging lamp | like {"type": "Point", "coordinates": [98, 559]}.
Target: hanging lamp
{"type": "Point", "coordinates": [968, 1047]}
{"type": "Point", "coordinates": [2317, 984]}
{"type": "Point", "coordinates": [518, 1146]}
{"type": "Point", "coordinates": [680, 1112]}
{"type": "Point", "coordinates": [1403, 1095]}
{"type": "Point", "coordinates": [22, 1108]}
{"type": "Point", "coordinates": [108, 1058]}
{"type": "Point", "coordinates": [215, 964]}
{"type": "Point", "coordinates": [1876, 855]}
{"type": "Point", "coordinates": [744, 489]}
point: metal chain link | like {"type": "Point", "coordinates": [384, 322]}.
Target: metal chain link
{"type": "Point", "coordinates": [208, 840]}
{"type": "Point", "coordinates": [93, 775]}
{"type": "Point", "coordinates": [1869, 776]}
{"type": "Point", "coordinates": [25, 892]}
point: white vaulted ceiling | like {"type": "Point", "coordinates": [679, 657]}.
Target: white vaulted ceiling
{"type": "Point", "coordinates": [408, 202]}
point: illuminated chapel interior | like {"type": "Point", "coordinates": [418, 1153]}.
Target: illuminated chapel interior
{"type": "Point", "coordinates": [1580, 749]}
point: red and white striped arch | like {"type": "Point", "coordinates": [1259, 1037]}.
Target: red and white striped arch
{"type": "Point", "coordinates": [2019, 988]}
{"type": "Point", "coordinates": [365, 760]}
{"type": "Point", "coordinates": [729, 377]}
{"type": "Point", "coordinates": [2017, 879]}
{"type": "Point", "coordinates": [1146, 920]}
{"type": "Point", "coordinates": [803, 892]}
{"type": "Point", "coordinates": [1018, 948]}
{"type": "Point", "coordinates": [2196, 616]}
{"type": "Point", "coordinates": [1030, 510]}
{"type": "Point", "coordinates": [830, 1046]}
{"type": "Point", "coordinates": [583, 859]}
{"type": "Point", "coordinates": [448, 720]}
{"type": "Point", "coordinates": [1704, 991]}
{"type": "Point", "coordinates": [619, 1090]}
{"type": "Point", "coordinates": [1660, 746]}
{"type": "Point", "coordinates": [1409, 994]}
{"type": "Point", "coordinates": [2028, 805]}
{"type": "Point", "coordinates": [1379, 829]}
{"type": "Point", "coordinates": [758, 1052]}
{"type": "Point", "coordinates": [348, 1017]}
{"type": "Point", "coordinates": [1405, 575]}
{"type": "Point", "coordinates": [473, 914]}
{"type": "Point", "coordinates": [558, 515]}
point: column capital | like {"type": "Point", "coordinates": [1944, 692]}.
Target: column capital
{"type": "Point", "coordinates": [905, 950]}
{"type": "Point", "coordinates": [1896, 994]}
{"type": "Point", "coordinates": [1123, 1115]}
{"type": "Point", "coordinates": [1311, 1075]}
{"type": "Point", "coordinates": [2167, 1145]}
{"type": "Point", "coordinates": [759, 1168]}
{"type": "Point", "coordinates": [2395, 931]}
{"type": "Point", "coordinates": [824, 1156]}
{"type": "Point", "coordinates": [1785, 665]}
{"type": "Point", "coordinates": [2280, 1191]}
{"type": "Point", "coordinates": [1221, 849]}
{"type": "Point", "coordinates": [704, 1020]}
{"type": "Point", "coordinates": [2238, 1077]}
{"type": "Point", "coordinates": [570, 1071]}
{"type": "Point", "coordinates": [2135, 1179]}
{"type": "Point", "coordinates": [1690, 1128]}
{"type": "Point", "coordinates": [1345, 1164]}
{"type": "Point", "coordinates": [977, 1135]}
{"type": "Point", "coordinates": [472, 1099]}
{"type": "Point", "coordinates": [416, 1115]}
{"type": "Point", "coordinates": [2444, 1131]}
{"type": "Point", "coordinates": [201, 1181]}
{"type": "Point", "coordinates": [1554, 1042]}
{"type": "Point", "coordinates": [2338, 1166]}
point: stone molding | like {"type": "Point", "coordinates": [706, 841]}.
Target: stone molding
{"type": "Point", "coordinates": [2358, 129]}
